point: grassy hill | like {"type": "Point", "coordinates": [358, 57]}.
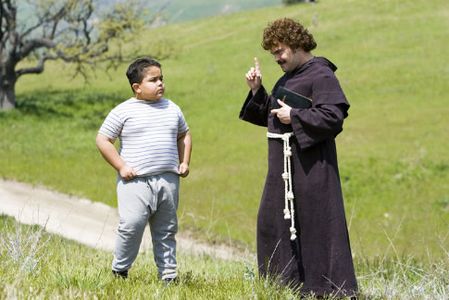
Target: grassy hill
{"type": "Point", "coordinates": [175, 11]}
{"type": "Point", "coordinates": [392, 152]}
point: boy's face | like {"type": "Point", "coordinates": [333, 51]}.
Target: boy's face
{"type": "Point", "coordinates": [152, 87]}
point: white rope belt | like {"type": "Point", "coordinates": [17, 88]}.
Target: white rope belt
{"type": "Point", "coordinates": [289, 210]}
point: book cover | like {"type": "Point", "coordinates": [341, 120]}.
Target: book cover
{"type": "Point", "coordinates": [292, 98]}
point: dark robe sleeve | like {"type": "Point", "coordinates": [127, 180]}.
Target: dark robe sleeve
{"type": "Point", "coordinates": [255, 108]}
{"type": "Point", "coordinates": [325, 119]}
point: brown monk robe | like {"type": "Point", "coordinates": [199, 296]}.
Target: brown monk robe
{"type": "Point", "coordinates": [319, 260]}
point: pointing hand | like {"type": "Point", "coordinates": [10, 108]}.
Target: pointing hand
{"type": "Point", "coordinates": [283, 113]}
{"type": "Point", "coordinates": [254, 77]}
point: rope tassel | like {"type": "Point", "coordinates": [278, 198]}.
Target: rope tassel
{"type": "Point", "coordinates": [289, 211]}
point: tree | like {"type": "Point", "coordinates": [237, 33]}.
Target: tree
{"type": "Point", "coordinates": [67, 30]}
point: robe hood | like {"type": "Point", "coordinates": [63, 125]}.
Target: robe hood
{"type": "Point", "coordinates": [325, 62]}
{"type": "Point", "coordinates": [317, 60]}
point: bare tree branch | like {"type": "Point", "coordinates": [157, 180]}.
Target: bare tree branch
{"type": "Point", "coordinates": [39, 68]}
{"type": "Point", "coordinates": [67, 30]}
{"type": "Point", "coordinates": [46, 18]}
{"type": "Point", "coordinates": [34, 44]}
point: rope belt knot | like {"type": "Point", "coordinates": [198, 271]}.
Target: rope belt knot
{"type": "Point", "coordinates": [289, 210]}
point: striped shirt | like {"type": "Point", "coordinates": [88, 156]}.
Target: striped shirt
{"type": "Point", "coordinates": [148, 132]}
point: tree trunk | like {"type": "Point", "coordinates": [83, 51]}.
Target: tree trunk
{"type": "Point", "coordinates": [7, 97]}
{"type": "Point", "coordinates": [8, 81]}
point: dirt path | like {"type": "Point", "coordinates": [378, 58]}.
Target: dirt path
{"type": "Point", "coordinates": [87, 222]}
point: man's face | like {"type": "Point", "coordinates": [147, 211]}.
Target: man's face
{"type": "Point", "coordinates": [152, 87]}
{"type": "Point", "coordinates": [286, 57]}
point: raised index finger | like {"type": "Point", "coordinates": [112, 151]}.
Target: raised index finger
{"type": "Point", "coordinates": [256, 64]}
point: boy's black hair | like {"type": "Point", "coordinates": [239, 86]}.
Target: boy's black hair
{"type": "Point", "coordinates": [135, 72]}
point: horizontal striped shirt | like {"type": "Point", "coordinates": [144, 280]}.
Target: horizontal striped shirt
{"type": "Point", "coordinates": [148, 133]}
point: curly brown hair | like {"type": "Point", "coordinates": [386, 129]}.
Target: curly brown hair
{"type": "Point", "coordinates": [288, 32]}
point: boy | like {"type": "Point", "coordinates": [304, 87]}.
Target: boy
{"type": "Point", "coordinates": [155, 147]}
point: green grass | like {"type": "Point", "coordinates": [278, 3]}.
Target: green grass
{"type": "Point", "coordinates": [180, 11]}
{"type": "Point", "coordinates": [392, 152]}
{"type": "Point", "coordinates": [37, 265]}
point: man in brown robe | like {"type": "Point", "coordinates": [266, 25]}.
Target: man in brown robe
{"type": "Point", "coordinates": [310, 250]}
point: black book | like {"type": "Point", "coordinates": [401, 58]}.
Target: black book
{"type": "Point", "coordinates": [292, 98]}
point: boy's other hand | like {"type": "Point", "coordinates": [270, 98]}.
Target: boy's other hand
{"type": "Point", "coordinates": [254, 77]}
{"type": "Point", "coordinates": [183, 170]}
{"type": "Point", "coordinates": [127, 172]}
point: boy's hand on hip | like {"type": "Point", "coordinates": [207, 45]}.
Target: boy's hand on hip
{"type": "Point", "coordinates": [183, 170]}
{"type": "Point", "coordinates": [127, 172]}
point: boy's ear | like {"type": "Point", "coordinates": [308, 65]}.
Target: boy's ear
{"type": "Point", "coordinates": [136, 87]}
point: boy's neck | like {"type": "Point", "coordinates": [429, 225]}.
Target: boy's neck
{"type": "Point", "coordinates": [147, 100]}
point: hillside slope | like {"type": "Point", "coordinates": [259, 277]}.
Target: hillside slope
{"type": "Point", "coordinates": [176, 11]}
{"type": "Point", "coordinates": [393, 150]}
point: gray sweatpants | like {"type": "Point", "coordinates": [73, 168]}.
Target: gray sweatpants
{"type": "Point", "coordinates": [154, 200]}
